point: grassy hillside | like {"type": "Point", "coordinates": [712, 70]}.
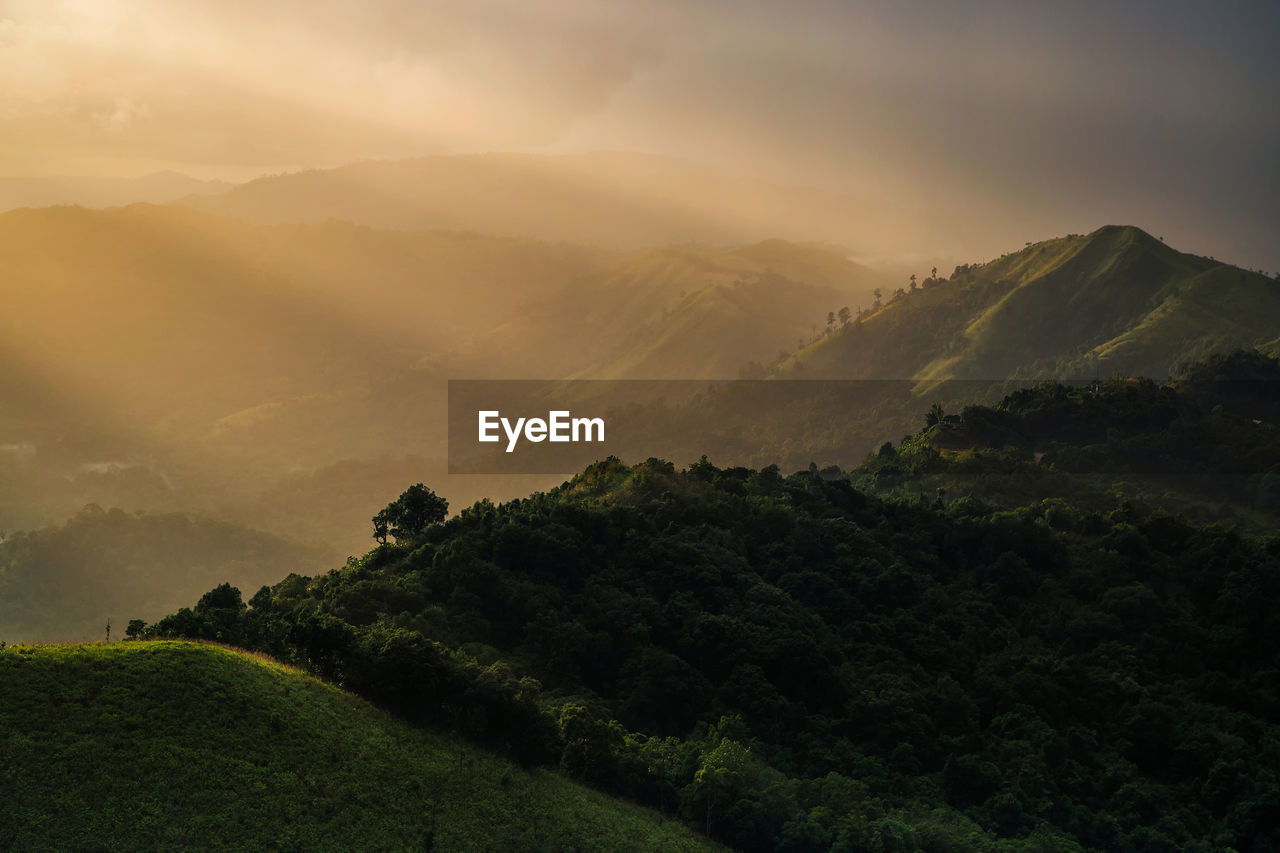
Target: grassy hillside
{"type": "Point", "coordinates": [178, 746]}
{"type": "Point", "coordinates": [1076, 306]}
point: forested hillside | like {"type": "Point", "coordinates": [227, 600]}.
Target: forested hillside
{"type": "Point", "coordinates": [792, 663]}
{"type": "Point", "coordinates": [1206, 445]}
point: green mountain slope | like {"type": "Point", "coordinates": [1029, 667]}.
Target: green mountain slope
{"type": "Point", "coordinates": [177, 746]}
{"type": "Point", "coordinates": [1077, 306]}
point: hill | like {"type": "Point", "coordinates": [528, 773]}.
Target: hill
{"type": "Point", "coordinates": [134, 746]}
{"type": "Point", "coordinates": [798, 664]}
{"type": "Point", "coordinates": [156, 188]}
{"type": "Point", "coordinates": [688, 313]}
{"type": "Point", "coordinates": [616, 199]}
{"type": "Point", "coordinates": [65, 582]}
{"type": "Point", "coordinates": [1077, 306]}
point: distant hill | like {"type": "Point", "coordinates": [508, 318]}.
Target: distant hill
{"type": "Point", "coordinates": [156, 188]}
{"type": "Point", "coordinates": [689, 313]}
{"type": "Point", "coordinates": [65, 582]}
{"type": "Point", "coordinates": [614, 199]}
{"type": "Point", "coordinates": [139, 746]}
{"type": "Point", "coordinates": [1076, 306]}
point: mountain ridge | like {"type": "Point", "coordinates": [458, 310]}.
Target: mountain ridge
{"type": "Point", "coordinates": [101, 192]}
{"type": "Point", "coordinates": [1070, 306]}
{"type": "Point", "coordinates": [616, 199]}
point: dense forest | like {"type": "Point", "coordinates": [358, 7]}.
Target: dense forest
{"type": "Point", "coordinates": [1206, 444]}
{"type": "Point", "coordinates": [798, 663]}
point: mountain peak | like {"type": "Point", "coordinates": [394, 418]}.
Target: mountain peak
{"type": "Point", "coordinates": [1120, 235]}
{"type": "Point", "coordinates": [1122, 231]}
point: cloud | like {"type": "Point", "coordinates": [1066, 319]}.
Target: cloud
{"type": "Point", "coordinates": [1011, 119]}
{"type": "Point", "coordinates": [315, 82]}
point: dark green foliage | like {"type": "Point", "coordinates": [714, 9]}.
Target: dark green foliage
{"type": "Point", "coordinates": [1206, 444]}
{"type": "Point", "coordinates": [789, 663]}
{"type": "Point", "coordinates": [410, 514]}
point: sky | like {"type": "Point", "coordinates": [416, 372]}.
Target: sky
{"type": "Point", "coordinates": [1018, 121]}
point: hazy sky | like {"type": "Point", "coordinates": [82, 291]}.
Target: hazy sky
{"type": "Point", "coordinates": [1030, 119]}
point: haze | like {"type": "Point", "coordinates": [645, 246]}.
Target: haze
{"type": "Point", "coordinates": [972, 127]}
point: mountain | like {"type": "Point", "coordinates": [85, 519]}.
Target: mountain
{"type": "Point", "coordinates": [156, 188]}
{"type": "Point", "coordinates": [614, 199]}
{"type": "Point", "coordinates": [1076, 306]}
{"type": "Point", "coordinates": [134, 746]}
{"type": "Point", "coordinates": [689, 313]}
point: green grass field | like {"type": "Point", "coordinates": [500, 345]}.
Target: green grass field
{"type": "Point", "coordinates": [182, 746]}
